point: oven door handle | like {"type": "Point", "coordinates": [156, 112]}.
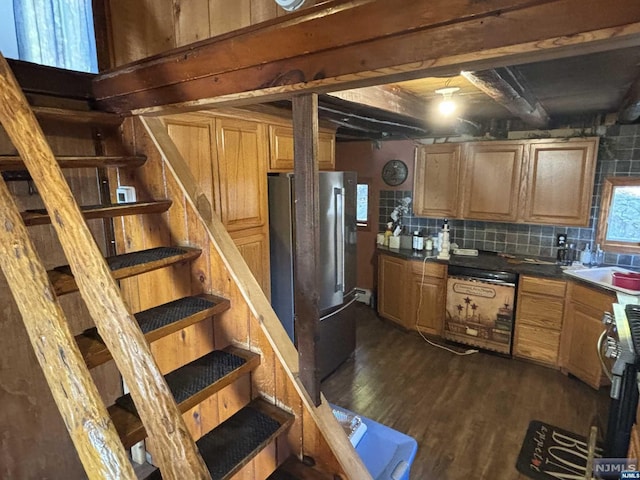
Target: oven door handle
{"type": "Point", "coordinates": [605, 368]}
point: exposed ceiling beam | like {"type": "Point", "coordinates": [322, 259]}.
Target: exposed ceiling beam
{"type": "Point", "coordinates": [386, 97]}
{"type": "Point", "coordinates": [509, 89]}
{"type": "Point", "coordinates": [326, 51]}
{"type": "Point", "coordinates": [630, 107]}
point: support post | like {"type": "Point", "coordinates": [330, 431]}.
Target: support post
{"type": "Point", "coordinates": [307, 239]}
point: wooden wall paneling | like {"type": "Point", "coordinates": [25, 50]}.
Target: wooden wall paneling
{"type": "Point", "coordinates": [191, 19]}
{"type": "Point", "coordinates": [29, 417]}
{"type": "Point", "coordinates": [262, 10]}
{"type": "Point", "coordinates": [225, 16]}
{"type": "Point", "coordinates": [141, 29]}
{"type": "Point", "coordinates": [232, 326]}
{"type": "Point", "coordinates": [291, 443]}
{"type": "Point", "coordinates": [233, 397]}
{"type": "Point", "coordinates": [183, 346]}
{"type": "Point", "coordinates": [201, 266]}
{"type": "Point", "coordinates": [316, 446]}
{"type": "Point", "coordinates": [263, 378]}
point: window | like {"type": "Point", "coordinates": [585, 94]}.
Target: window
{"type": "Point", "coordinates": [58, 33]}
{"type": "Point", "coordinates": [619, 220]}
{"type": "Point", "coordinates": [362, 209]}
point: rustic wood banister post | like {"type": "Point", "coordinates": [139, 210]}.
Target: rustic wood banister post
{"type": "Point", "coordinates": [176, 454]}
{"type": "Point", "coordinates": [87, 420]}
{"type": "Point", "coordinates": [307, 239]}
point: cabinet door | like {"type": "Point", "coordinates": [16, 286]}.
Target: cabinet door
{"type": "Point", "coordinates": [560, 182]}
{"type": "Point", "coordinates": [392, 277]}
{"type": "Point", "coordinates": [581, 358]}
{"type": "Point", "coordinates": [537, 328]}
{"type": "Point", "coordinates": [436, 181]}
{"type": "Point", "coordinates": [491, 182]}
{"type": "Point", "coordinates": [281, 149]}
{"type": "Point", "coordinates": [194, 138]}
{"type": "Point", "coordinates": [241, 148]}
{"type": "Point", "coordinates": [254, 248]}
{"type": "Point", "coordinates": [426, 304]}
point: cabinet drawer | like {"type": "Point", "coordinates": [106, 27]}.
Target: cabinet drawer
{"type": "Point", "coordinates": [430, 269]}
{"type": "Point", "coordinates": [537, 344]}
{"type": "Point", "coordinates": [544, 286]}
{"type": "Point", "coordinates": [540, 311]}
{"type": "Point", "coordinates": [591, 297]}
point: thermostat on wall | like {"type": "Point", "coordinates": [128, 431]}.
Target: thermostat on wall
{"type": "Point", "coordinates": [126, 194]}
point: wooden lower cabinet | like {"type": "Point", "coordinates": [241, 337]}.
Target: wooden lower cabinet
{"type": "Point", "coordinates": [582, 327]}
{"type": "Point", "coordinates": [392, 277]}
{"type": "Point", "coordinates": [426, 297]}
{"type": "Point", "coordinates": [412, 293]}
{"type": "Point", "coordinates": [539, 314]}
{"type": "Point", "coordinates": [254, 248]}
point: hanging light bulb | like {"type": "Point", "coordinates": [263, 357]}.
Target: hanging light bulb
{"type": "Point", "coordinates": [447, 106]}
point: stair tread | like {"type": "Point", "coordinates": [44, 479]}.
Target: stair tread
{"type": "Point", "coordinates": [294, 469]}
{"type": "Point", "coordinates": [14, 162]}
{"type": "Point", "coordinates": [126, 265]}
{"type": "Point", "coordinates": [190, 385]}
{"type": "Point", "coordinates": [192, 378]}
{"type": "Point", "coordinates": [41, 216]}
{"type": "Point", "coordinates": [156, 322]}
{"type": "Point", "coordinates": [79, 116]}
{"type": "Point", "coordinates": [231, 445]}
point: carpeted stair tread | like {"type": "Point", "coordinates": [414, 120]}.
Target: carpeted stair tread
{"type": "Point", "coordinates": [231, 445]}
{"type": "Point", "coordinates": [163, 315]}
{"type": "Point", "coordinates": [194, 377]}
{"type": "Point", "coordinates": [156, 322]}
{"type": "Point", "coordinates": [126, 265]}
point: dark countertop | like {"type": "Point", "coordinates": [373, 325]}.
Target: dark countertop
{"type": "Point", "coordinates": [485, 261]}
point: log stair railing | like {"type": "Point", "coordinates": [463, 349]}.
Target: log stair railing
{"type": "Point", "coordinates": [155, 402]}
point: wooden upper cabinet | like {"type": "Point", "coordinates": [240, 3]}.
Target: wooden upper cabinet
{"type": "Point", "coordinates": [560, 181]}
{"type": "Point", "coordinates": [194, 137]}
{"type": "Point", "coordinates": [243, 177]}
{"type": "Point", "coordinates": [281, 149]}
{"type": "Point", "coordinates": [491, 182]}
{"type": "Point", "coordinates": [436, 191]}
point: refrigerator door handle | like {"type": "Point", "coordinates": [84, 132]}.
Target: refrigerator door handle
{"type": "Point", "coordinates": [339, 237]}
{"type": "Point", "coordinates": [340, 309]}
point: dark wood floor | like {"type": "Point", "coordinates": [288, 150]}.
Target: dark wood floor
{"type": "Point", "coordinates": [468, 414]}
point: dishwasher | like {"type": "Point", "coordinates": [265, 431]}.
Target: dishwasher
{"type": "Point", "coordinates": [480, 308]}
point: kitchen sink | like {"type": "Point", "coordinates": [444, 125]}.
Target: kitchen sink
{"type": "Point", "coordinates": [601, 276]}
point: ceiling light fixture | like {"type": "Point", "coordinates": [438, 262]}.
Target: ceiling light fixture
{"type": "Point", "coordinates": [290, 5]}
{"type": "Point", "coordinates": [447, 106]}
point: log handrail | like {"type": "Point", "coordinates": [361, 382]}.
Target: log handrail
{"type": "Point", "coordinates": [177, 453]}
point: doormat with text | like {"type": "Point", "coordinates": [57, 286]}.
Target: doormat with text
{"type": "Point", "coordinates": [551, 453]}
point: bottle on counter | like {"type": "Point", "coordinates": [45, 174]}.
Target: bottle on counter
{"type": "Point", "coordinates": [428, 244]}
{"type": "Point", "coordinates": [585, 256]}
{"type": "Point", "coordinates": [388, 232]}
{"type": "Point", "coordinates": [418, 241]}
{"type": "Point", "coordinates": [597, 256]}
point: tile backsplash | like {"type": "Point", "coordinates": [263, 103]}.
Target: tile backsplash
{"type": "Point", "coordinates": [618, 155]}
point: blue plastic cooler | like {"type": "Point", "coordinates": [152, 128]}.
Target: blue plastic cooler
{"type": "Point", "coordinates": [387, 453]}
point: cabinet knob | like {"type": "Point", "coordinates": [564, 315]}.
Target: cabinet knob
{"type": "Point", "coordinates": [607, 318]}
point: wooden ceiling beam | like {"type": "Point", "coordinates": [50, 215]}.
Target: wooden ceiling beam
{"type": "Point", "coordinates": [389, 98]}
{"type": "Point", "coordinates": [630, 108]}
{"type": "Point", "coordinates": [509, 89]}
{"type": "Point", "coordinates": [328, 52]}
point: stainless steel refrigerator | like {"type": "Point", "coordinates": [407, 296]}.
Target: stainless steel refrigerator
{"type": "Point", "coordinates": [337, 262]}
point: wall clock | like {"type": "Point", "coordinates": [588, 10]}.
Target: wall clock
{"type": "Point", "coordinates": [394, 172]}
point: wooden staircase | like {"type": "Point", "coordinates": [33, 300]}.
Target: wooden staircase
{"type": "Point", "coordinates": [205, 357]}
